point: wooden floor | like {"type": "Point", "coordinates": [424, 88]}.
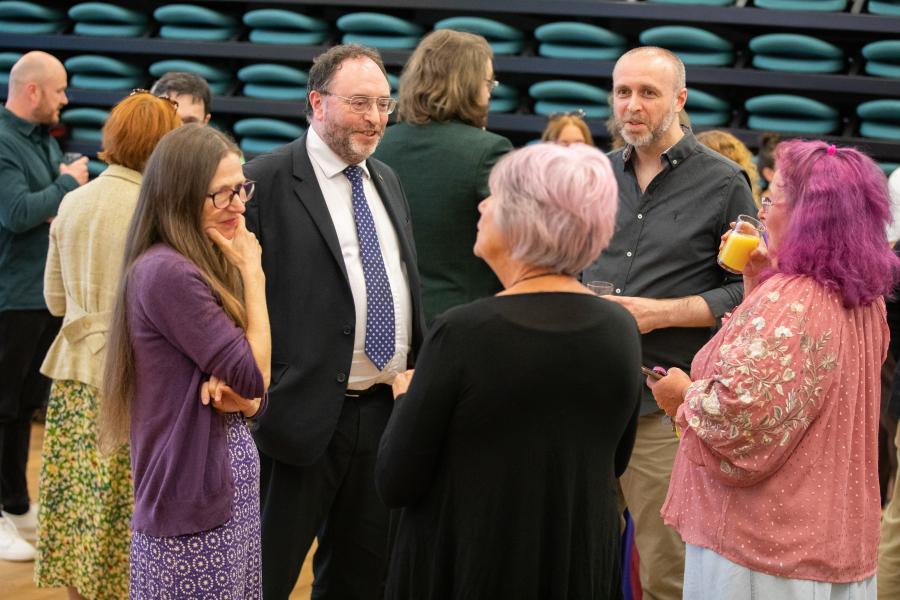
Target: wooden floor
{"type": "Point", "coordinates": [16, 579]}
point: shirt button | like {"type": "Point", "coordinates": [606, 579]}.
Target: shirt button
{"type": "Point", "coordinates": [640, 216]}
{"type": "Point", "coordinates": [618, 290]}
{"type": "Point", "coordinates": [86, 324]}
{"type": "Point", "coordinates": [347, 330]}
{"type": "Point", "coordinates": [674, 162]}
{"type": "Point", "coordinates": [341, 377]}
{"type": "Point", "coordinates": [628, 254]}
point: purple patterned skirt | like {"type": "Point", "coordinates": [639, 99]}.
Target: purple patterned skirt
{"type": "Point", "coordinates": [221, 563]}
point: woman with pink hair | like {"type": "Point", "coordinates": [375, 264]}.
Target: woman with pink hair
{"type": "Point", "coordinates": [775, 485]}
{"type": "Point", "coordinates": [504, 450]}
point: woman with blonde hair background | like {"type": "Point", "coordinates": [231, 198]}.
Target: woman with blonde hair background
{"type": "Point", "coordinates": [85, 497]}
{"type": "Point", "coordinates": [567, 128]}
{"type": "Point", "coordinates": [443, 156]}
{"type": "Point", "coordinates": [734, 149]}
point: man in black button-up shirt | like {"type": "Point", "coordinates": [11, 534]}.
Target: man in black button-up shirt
{"type": "Point", "coordinates": [676, 198]}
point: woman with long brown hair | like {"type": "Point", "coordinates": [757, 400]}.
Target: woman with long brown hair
{"type": "Point", "coordinates": [443, 156]}
{"type": "Point", "coordinates": [85, 497]}
{"type": "Point", "coordinates": [191, 305]}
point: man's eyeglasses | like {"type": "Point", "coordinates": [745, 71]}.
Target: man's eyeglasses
{"type": "Point", "coordinates": [492, 84]}
{"type": "Point", "coordinates": [224, 198]}
{"type": "Point", "coordinates": [363, 104]}
{"type": "Point", "coordinates": [137, 91]}
{"type": "Point", "coordinates": [572, 113]}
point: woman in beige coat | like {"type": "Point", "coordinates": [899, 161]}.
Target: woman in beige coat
{"type": "Point", "coordinates": [85, 496]}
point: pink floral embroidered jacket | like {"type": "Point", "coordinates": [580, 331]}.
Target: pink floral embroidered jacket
{"type": "Point", "coordinates": [777, 466]}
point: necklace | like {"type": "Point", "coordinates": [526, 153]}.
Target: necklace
{"type": "Point", "coordinates": [527, 277]}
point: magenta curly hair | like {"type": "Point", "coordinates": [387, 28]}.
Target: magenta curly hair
{"type": "Point", "coordinates": [839, 208]}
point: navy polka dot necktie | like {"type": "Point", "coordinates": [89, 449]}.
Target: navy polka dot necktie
{"type": "Point", "coordinates": [379, 301]}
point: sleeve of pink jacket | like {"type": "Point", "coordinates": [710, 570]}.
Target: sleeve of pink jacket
{"type": "Point", "coordinates": [771, 375]}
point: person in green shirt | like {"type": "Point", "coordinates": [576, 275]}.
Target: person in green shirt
{"type": "Point", "coordinates": [33, 181]}
{"type": "Point", "coordinates": [443, 155]}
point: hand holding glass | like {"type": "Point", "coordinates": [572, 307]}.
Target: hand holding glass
{"type": "Point", "coordinates": [742, 241]}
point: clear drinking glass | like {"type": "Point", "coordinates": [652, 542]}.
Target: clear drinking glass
{"type": "Point", "coordinates": [601, 288]}
{"type": "Point", "coordinates": [744, 239]}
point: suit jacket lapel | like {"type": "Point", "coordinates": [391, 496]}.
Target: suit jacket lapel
{"type": "Point", "coordinates": [393, 201]}
{"type": "Point", "coordinates": [306, 187]}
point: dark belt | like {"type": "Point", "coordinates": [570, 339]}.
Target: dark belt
{"type": "Point", "coordinates": [378, 387]}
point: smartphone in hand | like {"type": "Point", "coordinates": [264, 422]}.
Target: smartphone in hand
{"type": "Point", "coordinates": [656, 373]}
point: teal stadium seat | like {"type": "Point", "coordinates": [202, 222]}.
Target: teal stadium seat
{"type": "Point", "coordinates": [795, 53]}
{"type": "Point", "coordinates": [504, 99]}
{"type": "Point", "coordinates": [194, 23]}
{"type": "Point", "coordinates": [29, 18]}
{"type": "Point", "coordinates": [791, 114]}
{"type": "Point", "coordinates": [273, 82]}
{"type": "Point", "coordinates": [560, 95]}
{"type": "Point", "coordinates": [378, 30]}
{"type": "Point", "coordinates": [108, 20]}
{"type": "Point", "coordinates": [98, 72]}
{"type": "Point", "coordinates": [503, 38]}
{"type": "Point", "coordinates": [95, 167]}
{"type": "Point", "coordinates": [569, 39]}
{"type": "Point", "coordinates": [888, 167]}
{"type": "Point", "coordinates": [85, 124]}
{"type": "Point", "coordinates": [693, 46]}
{"type": "Point", "coordinates": [394, 81]}
{"type": "Point", "coordinates": [219, 79]}
{"type": "Point", "coordinates": [880, 119]}
{"type": "Point", "coordinates": [890, 8]}
{"type": "Point", "coordinates": [258, 135]}
{"type": "Point", "coordinates": [883, 58]}
{"type": "Point", "coordinates": [707, 110]}
{"type": "Point", "coordinates": [277, 26]}
{"type": "Point", "coordinates": [810, 5]}
{"type": "Point", "coordinates": [7, 60]}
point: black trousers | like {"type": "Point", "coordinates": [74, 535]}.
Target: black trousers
{"type": "Point", "coordinates": [25, 337]}
{"type": "Point", "coordinates": [333, 499]}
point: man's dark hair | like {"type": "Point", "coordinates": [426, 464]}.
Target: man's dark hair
{"type": "Point", "coordinates": [180, 82]}
{"type": "Point", "coordinates": [326, 65]}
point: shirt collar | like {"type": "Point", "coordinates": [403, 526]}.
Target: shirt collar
{"type": "Point", "coordinates": [330, 163]}
{"type": "Point", "coordinates": [26, 128]}
{"type": "Point", "coordinates": [120, 172]}
{"type": "Point", "coordinates": [675, 154]}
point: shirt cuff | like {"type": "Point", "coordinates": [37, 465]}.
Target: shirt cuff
{"type": "Point", "coordinates": [66, 182]}
{"type": "Point", "coordinates": [724, 299]}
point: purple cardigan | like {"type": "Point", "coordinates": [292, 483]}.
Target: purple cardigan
{"type": "Point", "coordinates": [180, 335]}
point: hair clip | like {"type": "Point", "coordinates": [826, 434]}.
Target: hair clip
{"type": "Point", "coordinates": [832, 149]}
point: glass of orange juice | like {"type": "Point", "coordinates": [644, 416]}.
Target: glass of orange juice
{"type": "Point", "coordinates": [743, 240]}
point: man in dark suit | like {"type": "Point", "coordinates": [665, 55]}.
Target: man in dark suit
{"type": "Point", "coordinates": [343, 295]}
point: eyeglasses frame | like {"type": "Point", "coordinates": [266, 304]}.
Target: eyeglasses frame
{"type": "Point", "coordinates": [372, 100]}
{"type": "Point", "coordinates": [241, 192]}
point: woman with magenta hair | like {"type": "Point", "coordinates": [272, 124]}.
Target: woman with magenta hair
{"type": "Point", "coordinates": [503, 452]}
{"type": "Point", "coordinates": [775, 485]}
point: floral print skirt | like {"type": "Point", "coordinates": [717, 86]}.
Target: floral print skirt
{"type": "Point", "coordinates": [86, 500]}
{"type": "Point", "coordinates": [223, 563]}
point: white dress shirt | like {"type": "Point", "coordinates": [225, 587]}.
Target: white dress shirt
{"type": "Point", "coordinates": [329, 168]}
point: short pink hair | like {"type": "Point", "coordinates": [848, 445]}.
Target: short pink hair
{"type": "Point", "coordinates": [555, 205]}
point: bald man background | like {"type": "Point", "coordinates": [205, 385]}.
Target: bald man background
{"type": "Point", "coordinates": [33, 181]}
